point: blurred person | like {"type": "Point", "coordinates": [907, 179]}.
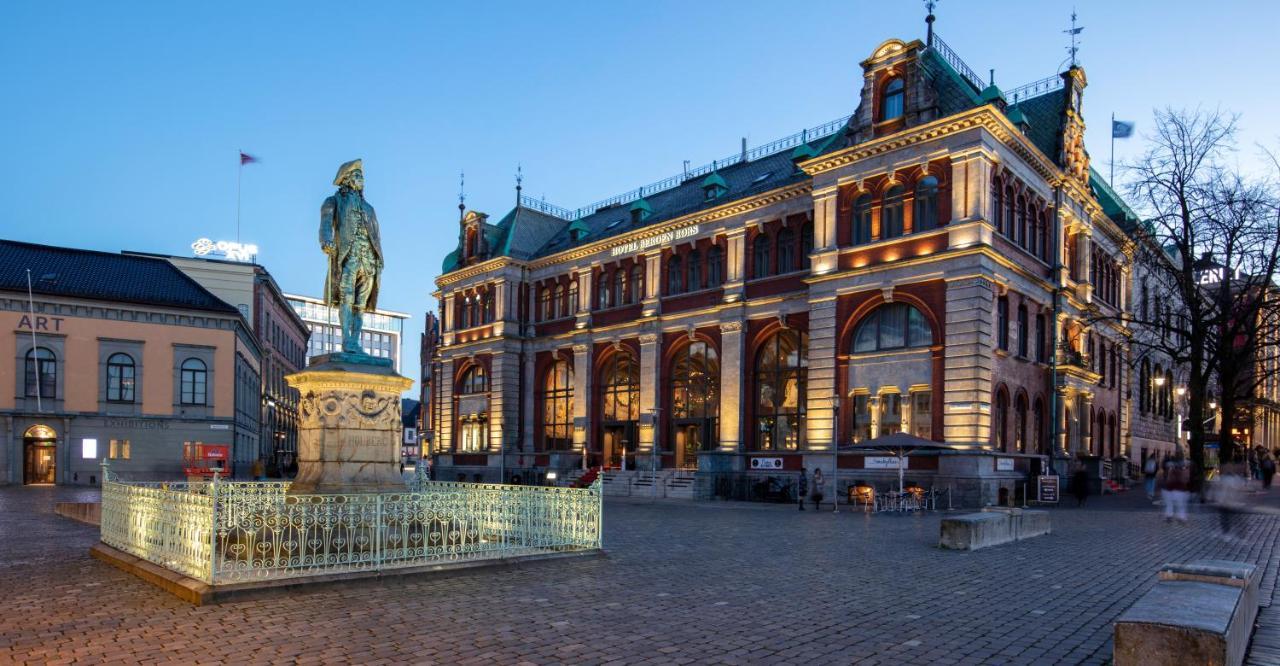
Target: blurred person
{"type": "Point", "coordinates": [1268, 470]}
{"type": "Point", "coordinates": [1149, 470]}
{"type": "Point", "coordinates": [1176, 489]}
{"type": "Point", "coordinates": [1080, 482]}
{"type": "Point", "coordinates": [817, 489]}
{"type": "Point", "coordinates": [803, 487]}
{"type": "Point", "coordinates": [1227, 495]}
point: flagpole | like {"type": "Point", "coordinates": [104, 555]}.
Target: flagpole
{"type": "Point", "coordinates": [35, 348]}
{"type": "Point", "coordinates": [240, 172]}
{"type": "Point", "coordinates": [1111, 179]}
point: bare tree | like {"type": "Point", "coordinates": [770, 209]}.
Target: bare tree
{"type": "Point", "coordinates": [1210, 245]}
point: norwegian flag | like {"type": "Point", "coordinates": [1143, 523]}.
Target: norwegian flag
{"type": "Point", "coordinates": [246, 158]}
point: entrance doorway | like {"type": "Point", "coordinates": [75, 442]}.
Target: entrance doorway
{"type": "Point", "coordinates": [619, 446]}
{"type": "Point", "coordinates": [39, 445]}
{"type": "Point", "coordinates": [689, 438]}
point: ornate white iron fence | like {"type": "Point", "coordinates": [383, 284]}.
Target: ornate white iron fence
{"type": "Point", "coordinates": [226, 532]}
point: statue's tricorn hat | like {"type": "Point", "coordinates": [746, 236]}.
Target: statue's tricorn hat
{"type": "Point", "coordinates": [346, 169]}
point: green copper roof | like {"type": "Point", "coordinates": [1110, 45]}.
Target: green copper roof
{"type": "Point", "coordinates": [803, 152]}
{"type": "Point", "coordinates": [714, 180]}
{"type": "Point", "coordinates": [991, 94]}
{"type": "Point", "coordinates": [450, 262]}
{"type": "Point", "coordinates": [1016, 116]}
{"type": "Point", "coordinates": [641, 205]}
{"type": "Point", "coordinates": [579, 226]}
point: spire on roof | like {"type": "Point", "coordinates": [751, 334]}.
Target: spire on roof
{"type": "Point", "coordinates": [462, 193]}
{"type": "Point", "coordinates": [1074, 49]}
{"type": "Point", "coordinates": [929, 5]}
{"type": "Point", "coordinates": [519, 181]}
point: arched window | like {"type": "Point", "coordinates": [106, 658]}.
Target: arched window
{"type": "Point", "coordinates": [926, 209]}
{"type": "Point", "coordinates": [559, 308]}
{"type": "Point", "coordinates": [891, 104]}
{"type": "Point", "coordinates": [1044, 235]}
{"type": "Point", "coordinates": [892, 326]}
{"type": "Point", "coordinates": [693, 279]}
{"type": "Point", "coordinates": [1010, 215]}
{"type": "Point", "coordinates": [637, 283]}
{"type": "Point", "coordinates": [41, 374]}
{"type": "Point", "coordinates": [1037, 422]}
{"type": "Point", "coordinates": [1144, 384]}
{"type": "Point", "coordinates": [715, 266]}
{"type": "Point", "coordinates": [997, 205]}
{"type": "Point", "coordinates": [1020, 423]}
{"type": "Point", "coordinates": [473, 381]}
{"type": "Point", "coordinates": [760, 255]}
{"type": "Point", "coordinates": [120, 377]}
{"type": "Point", "coordinates": [620, 294]}
{"type": "Point", "coordinates": [1100, 436]}
{"type": "Point", "coordinates": [695, 382]}
{"type": "Point", "coordinates": [604, 292]}
{"type": "Point", "coordinates": [786, 251]}
{"type": "Point", "coordinates": [195, 382]}
{"type": "Point", "coordinates": [1023, 342]}
{"type": "Point", "coordinates": [891, 213]}
{"type": "Point", "coordinates": [557, 407]}
{"type": "Point", "coordinates": [1000, 420]}
{"type": "Point", "coordinates": [862, 219]}
{"type": "Point", "coordinates": [674, 270]}
{"type": "Point", "coordinates": [806, 243]}
{"type": "Point", "coordinates": [465, 311]}
{"type": "Point", "coordinates": [781, 370]}
{"type": "Point", "coordinates": [620, 389]}
{"type": "Point", "coordinates": [573, 298]}
{"type": "Point", "coordinates": [1041, 348]}
{"type": "Point", "coordinates": [1002, 322]}
{"type": "Point", "coordinates": [545, 308]}
{"type": "Point", "coordinates": [1020, 232]}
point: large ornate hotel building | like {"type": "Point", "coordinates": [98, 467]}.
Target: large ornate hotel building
{"type": "Point", "coordinates": [941, 262]}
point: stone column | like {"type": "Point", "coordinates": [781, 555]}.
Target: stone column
{"type": "Point", "coordinates": [970, 349]}
{"type": "Point", "coordinates": [1085, 419]}
{"type": "Point", "coordinates": [447, 323]}
{"type": "Point", "coordinates": [820, 389]}
{"type": "Point", "coordinates": [526, 398]}
{"type": "Point", "coordinates": [582, 395]}
{"type": "Point", "coordinates": [504, 384]}
{"type": "Point", "coordinates": [444, 431]}
{"type": "Point", "coordinates": [1061, 417]}
{"type": "Point", "coordinates": [731, 397]}
{"type": "Point", "coordinates": [649, 383]}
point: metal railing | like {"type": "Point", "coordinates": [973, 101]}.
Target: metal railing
{"type": "Point", "coordinates": [773, 147]}
{"type": "Point", "coordinates": [952, 58]}
{"type": "Point", "coordinates": [224, 532]}
{"type": "Point", "coordinates": [1034, 89]}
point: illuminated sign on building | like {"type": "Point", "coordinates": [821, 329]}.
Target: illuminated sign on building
{"type": "Point", "coordinates": [661, 239]}
{"type": "Point", "coordinates": [230, 250]}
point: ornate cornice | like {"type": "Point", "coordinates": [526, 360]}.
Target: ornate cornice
{"type": "Point", "coordinates": [469, 272]}
{"type": "Point", "coordinates": [730, 327]}
{"type": "Point", "coordinates": [320, 380]}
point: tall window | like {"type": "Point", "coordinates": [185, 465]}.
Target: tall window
{"type": "Point", "coordinates": [861, 417]}
{"type": "Point", "coordinates": [120, 376]}
{"type": "Point", "coordinates": [620, 393]}
{"type": "Point", "coordinates": [473, 381]}
{"type": "Point", "coordinates": [997, 205]}
{"type": "Point", "coordinates": [1022, 331]}
{"type": "Point", "coordinates": [573, 298]}
{"type": "Point", "coordinates": [780, 371]}
{"type": "Point", "coordinates": [862, 219]}
{"type": "Point", "coordinates": [892, 103]}
{"type": "Point", "coordinates": [1002, 322]}
{"type": "Point", "coordinates": [1144, 387]}
{"type": "Point", "coordinates": [1041, 354]}
{"type": "Point", "coordinates": [891, 213]}
{"type": "Point", "coordinates": [1037, 423]}
{"type": "Point", "coordinates": [890, 414]}
{"type": "Point", "coordinates": [41, 374]}
{"type": "Point", "coordinates": [695, 382]}
{"type": "Point", "coordinates": [604, 292]}
{"type": "Point", "coordinates": [715, 266]}
{"type": "Point", "coordinates": [557, 408]}
{"type": "Point", "coordinates": [1020, 423]}
{"type": "Point", "coordinates": [559, 308]}
{"type": "Point", "coordinates": [693, 281]}
{"type": "Point", "coordinates": [1020, 230]}
{"type": "Point", "coordinates": [892, 326]}
{"type": "Point", "coordinates": [674, 270]}
{"type": "Point", "coordinates": [1000, 420]}
{"type": "Point", "coordinates": [1010, 214]}
{"type": "Point", "coordinates": [806, 243]}
{"type": "Point", "coordinates": [195, 382]}
{"type": "Point", "coordinates": [786, 251]}
{"type": "Point", "coordinates": [760, 255]}
{"type": "Point", "coordinates": [546, 308]}
{"type": "Point", "coordinates": [620, 295]}
{"type": "Point", "coordinates": [926, 208]}
{"type": "Point", "coordinates": [922, 414]}
{"type": "Point", "coordinates": [637, 283]}
{"type": "Point", "coordinates": [473, 431]}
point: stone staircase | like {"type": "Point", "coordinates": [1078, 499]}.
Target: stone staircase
{"type": "Point", "coordinates": [666, 484]}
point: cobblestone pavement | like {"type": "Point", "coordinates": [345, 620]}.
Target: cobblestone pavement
{"type": "Point", "coordinates": [683, 583]}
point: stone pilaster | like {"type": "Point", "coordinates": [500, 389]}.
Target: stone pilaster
{"type": "Point", "coordinates": [820, 385]}
{"type": "Point", "coordinates": [447, 324]}
{"type": "Point", "coordinates": [649, 383]}
{"type": "Point", "coordinates": [582, 394]}
{"type": "Point", "coordinates": [731, 397]}
{"type": "Point", "coordinates": [504, 384]}
{"type": "Point", "coordinates": [652, 284]}
{"type": "Point", "coordinates": [969, 359]}
{"type": "Point", "coordinates": [735, 265]}
{"type": "Point", "coordinates": [444, 392]}
{"type": "Point", "coordinates": [971, 188]}
{"type": "Point", "coordinates": [526, 398]}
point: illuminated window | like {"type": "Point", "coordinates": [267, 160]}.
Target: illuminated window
{"type": "Point", "coordinates": [891, 212]}
{"type": "Point", "coordinates": [557, 408]}
{"type": "Point", "coordinates": [120, 376]}
{"type": "Point", "coordinates": [620, 393]}
{"type": "Point", "coordinates": [119, 449]}
{"type": "Point", "coordinates": [926, 207]}
{"type": "Point", "coordinates": [862, 219]}
{"type": "Point", "coordinates": [89, 449]}
{"type": "Point", "coordinates": [781, 372]}
{"type": "Point", "coordinates": [892, 326]}
{"type": "Point", "coordinates": [861, 417]}
{"type": "Point", "coordinates": [890, 414]}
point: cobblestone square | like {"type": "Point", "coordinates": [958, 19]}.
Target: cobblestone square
{"type": "Point", "coordinates": [683, 583]}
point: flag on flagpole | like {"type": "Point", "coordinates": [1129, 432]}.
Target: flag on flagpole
{"type": "Point", "coordinates": [1121, 129]}
{"type": "Point", "coordinates": [246, 158]}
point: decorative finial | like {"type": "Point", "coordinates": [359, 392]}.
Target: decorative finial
{"type": "Point", "coordinates": [519, 180]}
{"type": "Point", "coordinates": [929, 5]}
{"type": "Point", "coordinates": [462, 192]}
{"type": "Point", "coordinates": [1074, 49]}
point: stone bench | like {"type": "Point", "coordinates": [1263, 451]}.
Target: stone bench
{"type": "Point", "coordinates": [1197, 613]}
{"type": "Point", "coordinates": [85, 512]}
{"type": "Point", "coordinates": [992, 527]}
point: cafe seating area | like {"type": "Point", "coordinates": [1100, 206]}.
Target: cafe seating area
{"type": "Point", "coordinates": [912, 498]}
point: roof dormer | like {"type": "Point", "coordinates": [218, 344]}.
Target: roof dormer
{"type": "Point", "coordinates": [640, 211]}
{"type": "Point", "coordinates": [714, 186]}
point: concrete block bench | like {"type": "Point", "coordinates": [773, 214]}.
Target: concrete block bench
{"type": "Point", "coordinates": [1197, 613]}
{"type": "Point", "coordinates": [992, 527]}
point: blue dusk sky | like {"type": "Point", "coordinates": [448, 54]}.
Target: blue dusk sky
{"type": "Point", "coordinates": [123, 120]}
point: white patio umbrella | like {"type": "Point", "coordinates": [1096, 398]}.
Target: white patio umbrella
{"type": "Point", "coordinates": [901, 444]}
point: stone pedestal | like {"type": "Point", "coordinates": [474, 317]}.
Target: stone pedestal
{"type": "Point", "coordinates": [349, 426]}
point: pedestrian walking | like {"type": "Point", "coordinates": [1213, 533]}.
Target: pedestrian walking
{"type": "Point", "coordinates": [817, 488]}
{"type": "Point", "coordinates": [802, 490]}
{"type": "Point", "coordinates": [1227, 493]}
{"type": "Point", "coordinates": [1080, 482]}
{"type": "Point", "coordinates": [1268, 470]}
{"type": "Point", "coordinates": [1149, 470]}
{"type": "Point", "coordinates": [1176, 490]}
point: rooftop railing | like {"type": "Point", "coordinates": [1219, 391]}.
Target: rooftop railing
{"type": "Point", "coordinates": [952, 58]}
{"type": "Point", "coordinates": [1034, 89]}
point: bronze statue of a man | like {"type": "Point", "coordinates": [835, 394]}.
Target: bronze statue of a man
{"type": "Point", "coordinates": [349, 235]}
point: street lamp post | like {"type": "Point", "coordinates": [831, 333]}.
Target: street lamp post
{"type": "Point", "coordinates": [835, 454]}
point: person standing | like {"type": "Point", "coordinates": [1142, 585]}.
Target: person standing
{"type": "Point", "coordinates": [1176, 490]}
{"type": "Point", "coordinates": [802, 490]}
{"type": "Point", "coordinates": [1149, 469]}
{"type": "Point", "coordinates": [1080, 482]}
{"type": "Point", "coordinates": [817, 488]}
{"type": "Point", "coordinates": [1268, 470]}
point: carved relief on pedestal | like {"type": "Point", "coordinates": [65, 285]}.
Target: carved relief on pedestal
{"type": "Point", "coordinates": [335, 408]}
